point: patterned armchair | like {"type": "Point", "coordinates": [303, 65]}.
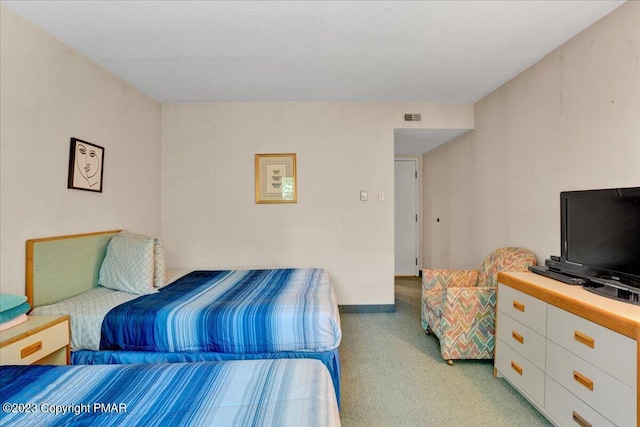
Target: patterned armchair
{"type": "Point", "coordinates": [458, 306]}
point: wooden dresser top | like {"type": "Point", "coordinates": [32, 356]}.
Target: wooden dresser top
{"type": "Point", "coordinates": [618, 316]}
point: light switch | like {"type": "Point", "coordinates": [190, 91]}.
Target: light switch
{"type": "Point", "coordinates": [364, 195]}
{"type": "Point", "coordinates": [381, 196]}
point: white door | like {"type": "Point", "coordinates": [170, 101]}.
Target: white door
{"type": "Point", "coordinates": [406, 217]}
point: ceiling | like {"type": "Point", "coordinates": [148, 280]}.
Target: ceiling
{"type": "Point", "coordinates": [309, 51]}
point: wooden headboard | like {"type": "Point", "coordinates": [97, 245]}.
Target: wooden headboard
{"type": "Point", "coordinates": [64, 266]}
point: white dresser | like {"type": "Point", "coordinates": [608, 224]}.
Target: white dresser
{"type": "Point", "coordinates": [571, 353]}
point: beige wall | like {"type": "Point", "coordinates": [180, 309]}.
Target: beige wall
{"type": "Point", "coordinates": [210, 218]}
{"type": "Point", "coordinates": [570, 122]}
{"type": "Point", "coordinates": [48, 94]}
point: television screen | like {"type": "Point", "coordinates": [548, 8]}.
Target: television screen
{"type": "Point", "coordinates": [601, 234]}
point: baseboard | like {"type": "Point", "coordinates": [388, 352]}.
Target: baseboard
{"type": "Point", "coordinates": [408, 276]}
{"type": "Point", "coordinates": [367, 308]}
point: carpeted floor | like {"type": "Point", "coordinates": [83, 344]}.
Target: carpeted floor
{"type": "Point", "coordinates": [393, 375]}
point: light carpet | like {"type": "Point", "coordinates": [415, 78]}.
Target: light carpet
{"type": "Point", "coordinates": [393, 375]}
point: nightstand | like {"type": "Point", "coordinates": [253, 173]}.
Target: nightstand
{"type": "Point", "coordinates": [41, 340]}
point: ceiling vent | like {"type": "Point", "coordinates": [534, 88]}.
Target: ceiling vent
{"type": "Point", "coordinates": [412, 117]}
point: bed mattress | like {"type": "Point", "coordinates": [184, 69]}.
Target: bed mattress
{"type": "Point", "coordinates": [232, 311]}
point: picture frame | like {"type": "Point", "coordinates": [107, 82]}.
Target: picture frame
{"type": "Point", "coordinates": [276, 180]}
{"type": "Point", "coordinates": [86, 166]}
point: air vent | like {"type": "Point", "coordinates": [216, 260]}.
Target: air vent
{"type": "Point", "coordinates": [412, 117]}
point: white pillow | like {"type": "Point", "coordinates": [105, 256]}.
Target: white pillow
{"type": "Point", "coordinates": [129, 265]}
{"type": "Point", "coordinates": [159, 274]}
{"type": "Point", "coordinates": [158, 252]}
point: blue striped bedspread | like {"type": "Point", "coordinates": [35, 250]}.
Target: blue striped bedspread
{"type": "Point", "coordinates": [281, 392]}
{"type": "Point", "coordinates": [234, 311]}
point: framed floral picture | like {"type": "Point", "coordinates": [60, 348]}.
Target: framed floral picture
{"type": "Point", "coordinates": [86, 165]}
{"type": "Point", "coordinates": [276, 178]}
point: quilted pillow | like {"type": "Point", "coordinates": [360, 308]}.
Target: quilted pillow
{"type": "Point", "coordinates": [129, 264]}
{"type": "Point", "coordinates": [158, 256]}
{"type": "Point", "coordinates": [158, 270]}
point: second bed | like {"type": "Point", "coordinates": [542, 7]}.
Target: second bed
{"type": "Point", "coordinates": [201, 316]}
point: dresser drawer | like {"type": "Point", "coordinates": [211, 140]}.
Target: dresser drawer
{"type": "Point", "coordinates": [526, 309]}
{"type": "Point", "coordinates": [34, 347]}
{"type": "Point", "coordinates": [520, 372]}
{"type": "Point", "coordinates": [568, 410]}
{"type": "Point", "coordinates": [612, 398]}
{"type": "Point", "coordinates": [594, 343]}
{"type": "Point", "coordinates": [525, 341]}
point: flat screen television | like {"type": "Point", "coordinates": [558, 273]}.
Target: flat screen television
{"type": "Point", "coordinates": [600, 237]}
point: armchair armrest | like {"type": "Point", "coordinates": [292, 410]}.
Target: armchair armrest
{"type": "Point", "coordinates": [469, 296]}
{"type": "Point", "coordinates": [434, 279]}
{"type": "Point", "coordinates": [468, 306]}
{"type": "Point", "coordinates": [435, 283]}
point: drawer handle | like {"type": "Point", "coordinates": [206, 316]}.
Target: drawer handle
{"type": "Point", "coordinates": [582, 380]}
{"type": "Point", "coordinates": [581, 421]}
{"type": "Point", "coordinates": [30, 349]}
{"type": "Point", "coordinates": [584, 339]}
{"type": "Point", "coordinates": [518, 306]}
{"type": "Point", "coordinates": [516, 367]}
{"type": "Point", "coordinates": [516, 336]}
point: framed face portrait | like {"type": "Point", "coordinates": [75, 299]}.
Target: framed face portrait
{"type": "Point", "coordinates": [86, 161]}
{"type": "Point", "coordinates": [276, 178]}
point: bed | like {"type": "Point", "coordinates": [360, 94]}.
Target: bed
{"type": "Point", "coordinates": [283, 392]}
{"type": "Point", "coordinates": [200, 316]}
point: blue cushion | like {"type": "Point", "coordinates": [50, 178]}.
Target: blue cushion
{"type": "Point", "coordinates": [14, 312]}
{"type": "Point", "coordinates": [9, 301]}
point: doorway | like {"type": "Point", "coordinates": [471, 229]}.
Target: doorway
{"type": "Point", "coordinates": [406, 217]}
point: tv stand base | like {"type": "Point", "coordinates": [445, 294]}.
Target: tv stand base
{"type": "Point", "coordinates": [615, 292]}
{"type": "Point", "coordinates": [547, 272]}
